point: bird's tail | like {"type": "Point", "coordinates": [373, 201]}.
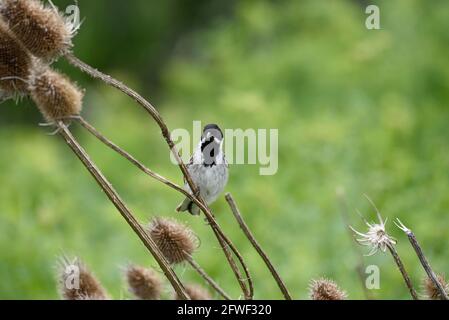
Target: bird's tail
{"type": "Point", "coordinates": [188, 205]}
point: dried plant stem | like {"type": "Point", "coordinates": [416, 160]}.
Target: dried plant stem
{"type": "Point", "coordinates": [422, 258]}
{"type": "Point", "coordinates": [122, 208]}
{"type": "Point", "coordinates": [225, 242]}
{"type": "Point", "coordinates": [238, 216]}
{"type": "Point", "coordinates": [404, 273]}
{"type": "Point", "coordinates": [427, 267]}
{"type": "Point", "coordinates": [248, 291]}
{"type": "Point", "coordinates": [91, 129]}
{"type": "Point", "coordinates": [207, 278]}
{"type": "Point", "coordinates": [71, 58]}
{"type": "Point", "coordinates": [138, 164]}
{"type": "Point", "coordinates": [360, 266]}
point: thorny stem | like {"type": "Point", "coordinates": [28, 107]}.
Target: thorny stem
{"type": "Point", "coordinates": [122, 208]}
{"type": "Point", "coordinates": [207, 278]}
{"type": "Point", "coordinates": [224, 241]}
{"type": "Point", "coordinates": [238, 216]}
{"type": "Point", "coordinates": [404, 273]}
{"type": "Point", "coordinates": [360, 262]}
{"type": "Point", "coordinates": [422, 258]}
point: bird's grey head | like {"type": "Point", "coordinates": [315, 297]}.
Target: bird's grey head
{"type": "Point", "coordinates": [212, 132]}
{"type": "Point", "coordinates": [211, 142]}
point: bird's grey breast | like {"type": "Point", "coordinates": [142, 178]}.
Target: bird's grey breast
{"type": "Point", "coordinates": [210, 180]}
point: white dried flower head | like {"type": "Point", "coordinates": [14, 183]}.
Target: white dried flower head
{"type": "Point", "coordinates": [377, 237]}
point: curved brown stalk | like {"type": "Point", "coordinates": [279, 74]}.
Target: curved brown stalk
{"type": "Point", "coordinates": [207, 278]}
{"type": "Point", "coordinates": [224, 241]}
{"type": "Point", "coordinates": [122, 208]}
{"type": "Point", "coordinates": [238, 216]}
{"type": "Point", "coordinates": [71, 58]}
{"type": "Point", "coordinates": [91, 129]}
{"type": "Point", "coordinates": [404, 273]}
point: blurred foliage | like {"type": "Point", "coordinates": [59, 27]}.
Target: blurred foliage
{"type": "Point", "coordinates": [356, 109]}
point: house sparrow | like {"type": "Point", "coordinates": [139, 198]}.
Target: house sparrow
{"type": "Point", "coordinates": [208, 168]}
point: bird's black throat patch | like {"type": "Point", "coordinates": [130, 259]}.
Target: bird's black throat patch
{"type": "Point", "coordinates": [210, 150]}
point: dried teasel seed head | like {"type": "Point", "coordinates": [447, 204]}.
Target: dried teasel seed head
{"type": "Point", "coordinates": [76, 282]}
{"type": "Point", "coordinates": [143, 283]}
{"type": "Point", "coordinates": [196, 292]}
{"type": "Point", "coordinates": [55, 95]}
{"type": "Point", "coordinates": [377, 237]}
{"type": "Point", "coordinates": [42, 29]}
{"type": "Point", "coordinates": [431, 290]}
{"type": "Point", "coordinates": [175, 240]}
{"type": "Point", "coordinates": [15, 64]}
{"type": "Point", "coordinates": [325, 289]}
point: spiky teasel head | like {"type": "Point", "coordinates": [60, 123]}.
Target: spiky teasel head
{"type": "Point", "coordinates": [76, 282]}
{"type": "Point", "coordinates": [430, 289]}
{"type": "Point", "coordinates": [55, 95]}
{"type": "Point", "coordinates": [325, 289]}
{"type": "Point", "coordinates": [176, 241]}
{"type": "Point", "coordinates": [143, 283]}
{"type": "Point", "coordinates": [196, 292]}
{"type": "Point", "coordinates": [42, 29]}
{"type": "Point", "coordinates": [15, 63]}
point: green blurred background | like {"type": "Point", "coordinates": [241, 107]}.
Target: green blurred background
{"type": "Point", "coordinates": [356, 109]}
